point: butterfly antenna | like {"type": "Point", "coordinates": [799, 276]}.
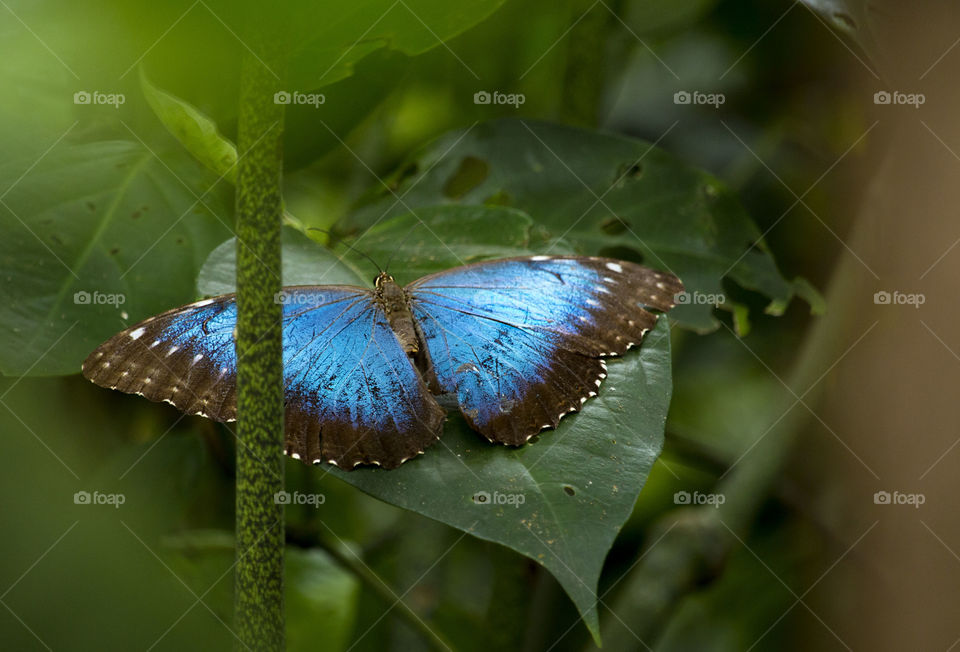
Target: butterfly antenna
{"type": "Point", "coordinates": [350, 247]}
{"type": "Point", "coordinates": [400, 246]}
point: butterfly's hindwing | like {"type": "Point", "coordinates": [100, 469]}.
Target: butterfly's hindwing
{"type": "Point", "coordinates": [520, 341]}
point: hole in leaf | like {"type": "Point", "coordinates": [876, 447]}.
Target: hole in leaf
{"type": "Point", "coordinates": [567, 489]}
{"type": "Point", "coordinates": [635, 171]}
{"type": "Point", "coordinates": [622, 253]}
{"type": "Point", "coordinates": [471, 173]}
{"type": "Point", "coordinates": [114, 251]}
{"type": "Point", "coordinates": [614, 225]}
{"type": "Point", "coordinates": [626, 173]}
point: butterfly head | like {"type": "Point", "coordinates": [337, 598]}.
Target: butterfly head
{"type": "Point", "coordinates": [382, 279]}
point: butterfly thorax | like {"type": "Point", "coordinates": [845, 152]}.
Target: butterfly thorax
{"type": "Point", "coordinates": [393, 300]}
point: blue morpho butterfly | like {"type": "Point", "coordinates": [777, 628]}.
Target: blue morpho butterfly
{"type": "Point", "coordinates": [518, 343]}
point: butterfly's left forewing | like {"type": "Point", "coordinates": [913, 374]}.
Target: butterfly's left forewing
{"type": "Point", "coordinates": [184, 356]}
{"type": "Point", "coordinates": [352, 396]}
{"type": "Point", "coordinates": [520, 341]}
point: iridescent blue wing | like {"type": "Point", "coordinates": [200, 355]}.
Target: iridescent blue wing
{"type": "Point", "coordinates": [350, 384]}
{"type": "Point", "coordinates": [352, 395]}
{"type": "Point", "coordinates": [520, 341]}
{"type": "Point", "coordinates": [184, 357]}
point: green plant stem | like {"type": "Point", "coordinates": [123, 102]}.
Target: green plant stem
{"type": "Point", "coordinates": [349, 560]}
{"type": "Point", "coordinates": [259, 616]}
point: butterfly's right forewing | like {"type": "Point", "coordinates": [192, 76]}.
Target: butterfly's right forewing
{"type": "Point", "coordinates": [520, 341]}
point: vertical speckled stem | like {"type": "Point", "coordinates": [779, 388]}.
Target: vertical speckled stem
{"type": "Point", "coordinates": [260, 529]}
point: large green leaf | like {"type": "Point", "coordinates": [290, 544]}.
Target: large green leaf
{"type": "Point", "coordinates": [325, 39]}
{"type": "Point", "coordinates": [576, 486]}
{"type": "Point", "coordinates": [193, 49]}
{"type": "Point", "coordinates": [305, 262]}
{"type": "Point", "coordinates": [96, 237]}
{"type": "Point", "coordinates": [603, 193]}
{"type": "Point", "coordinates": [440, 237]}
